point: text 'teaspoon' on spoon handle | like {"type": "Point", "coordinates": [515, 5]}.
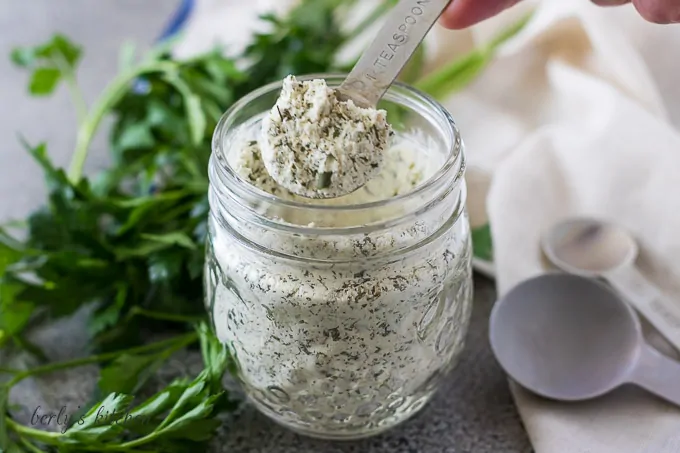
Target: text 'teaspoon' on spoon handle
{"type": "Point", "coordinates": [658, 374]}
{"type": "Point", "coordinates": [405, 28]}
{"type": "Point", "coordinates": [658, 309]}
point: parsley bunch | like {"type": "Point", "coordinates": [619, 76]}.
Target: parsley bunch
{"type": "Point", "coordinates": [128, 241]}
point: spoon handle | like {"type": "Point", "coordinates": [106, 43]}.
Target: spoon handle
{"type": "Point", "coordinates": [658, 374]}
{"type": "Point", "coordinates": [405, 28]}
{"type": "Point", "coordinates": [660, 311]}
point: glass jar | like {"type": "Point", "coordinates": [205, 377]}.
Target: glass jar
{"type": "Point", "coordinates": [343, 315]}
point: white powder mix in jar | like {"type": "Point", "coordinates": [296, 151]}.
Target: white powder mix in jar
{"type": "Point", "coordinates": [317, 146]}
{"type": "Point", "coordinates": [351, 345]}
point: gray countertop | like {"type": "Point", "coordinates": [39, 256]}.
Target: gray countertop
{"type": "Point", "coordinates": [473, 412]}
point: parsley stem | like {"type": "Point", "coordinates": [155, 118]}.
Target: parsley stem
{"type": "Point", "coordinates": [132, 443]}
{"type": "Point", "coordinates": [138, 311]}
{"type": "Point", "coordinates": [36, 434]}
{"type": "Point", "coordinates": [29, 446]}
{"type": "Point", "coordinates": [136, 442]}
{"type": "Point", "coordinates": [112, 94]}
{"type": "Point", "coordinates": [78, 100]}
{"type": "Point", "coordinates": [9, 370]}
{"type": "Point", "coordinates": [459, 73]}
{"type": "Point", "coordinates": [52, 438]}
{"type": "Point", "coordinates": [70, 79]}
{"type": "Point", "coordinates": [177, 342]}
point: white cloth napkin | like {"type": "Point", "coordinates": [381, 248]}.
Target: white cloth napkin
{"type": "Point", "coordinates": [595, 133]}
{"type": "Point", "coordinates": [578, 115]}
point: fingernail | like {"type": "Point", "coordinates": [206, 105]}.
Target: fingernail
{"type": "Point", "coordinates": [610, 2]}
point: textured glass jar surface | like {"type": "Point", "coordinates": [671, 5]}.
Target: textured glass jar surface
{"type": "Point", "coordinates": [343, 316]}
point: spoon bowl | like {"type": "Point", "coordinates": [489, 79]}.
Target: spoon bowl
{"type": "Point", "coordinates": [594, 248]}
{"type": "Point", "coordinates": [571, 338]}
{"type": "Point", "coordinates": [589, 247]}
{"type": "Point", "coordinates": [565, 337]}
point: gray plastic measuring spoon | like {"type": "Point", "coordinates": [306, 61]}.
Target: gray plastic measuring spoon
{"type": "Point", "coordinates": [405, 28]}
{"type": "Point", "coordinates": [568, 337]}
{"type": "Point", "coordinates": [593, 248]}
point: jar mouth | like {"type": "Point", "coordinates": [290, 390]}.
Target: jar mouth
{"type": "Point", "coordinates": [231, 179]}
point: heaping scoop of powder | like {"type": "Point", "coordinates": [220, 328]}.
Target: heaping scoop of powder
{"type": "Point", "coordinates": [319, 147]}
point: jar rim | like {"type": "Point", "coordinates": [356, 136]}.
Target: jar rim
{"type": "Point", "coordinates": [228, 175]}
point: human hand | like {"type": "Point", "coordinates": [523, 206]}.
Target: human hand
{"type": "Point", "coordinates": [464, 13]}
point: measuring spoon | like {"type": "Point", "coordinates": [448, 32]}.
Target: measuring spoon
{"type": "Point", "coordinates": [571, 338]}
{"type": "Point", "coordinates": [405, 28]}
{"type": "Point", "coordinates": [593, 248]}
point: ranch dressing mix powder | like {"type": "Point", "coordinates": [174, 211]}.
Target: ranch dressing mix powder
{"type": "Point", "coordinates": [317, 146]}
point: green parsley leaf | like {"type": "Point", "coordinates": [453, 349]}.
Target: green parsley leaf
{"type": "Point", "coordinates": [4, 435]}
{"type": "Point", "coordinates": [216, 357]}
{"type": "Point", "coordinates": [175, 238]}
{"type": "Point", "coordinates": [136, 136]}
{"type": "Point", "coordinates": [128, 373]}
{"type": "Point", "coordinates": [481, 243]}
{"type": "Point", "coordinates": [44, 81]}
{"type": "Point", "coordinates": [99, 423]}
{"type": "Point", "coordinates": [10, 251]}
{"type": "Point", "coordinates": [14, 315]}
{"type": "Point", "coordinates": [13, 448]}
{"type": "Point", "coordinates": [193, 424]}
{"type": "Point", "coordinates": [107, 316]}
{"type": "Point", "coordinates": [194, 112]}
{"type": "Point", "coordinates": [50, 62]}
{"type": "Point", "coordinates": [60, 48]}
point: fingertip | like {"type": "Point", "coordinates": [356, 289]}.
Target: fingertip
{"type": "Point", "coordinates": [457, 15]}
{"type": "Point", "coordinates": [658, 11]}
{"type": "Point", "coordinates": [466, 13]}
{"type": "Point", "coordinates": [453, 21]}
{"type": "Point", "coordinates": [610, 2]}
